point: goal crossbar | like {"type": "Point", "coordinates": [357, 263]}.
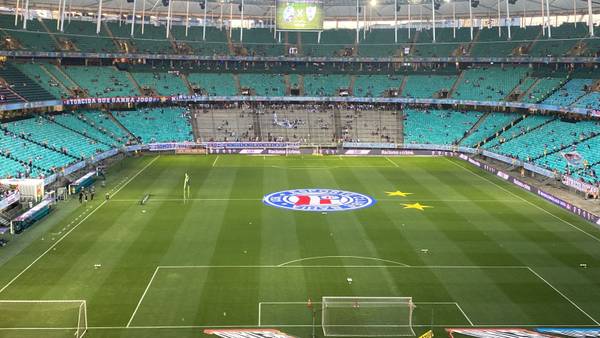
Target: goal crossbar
{"type": "Point", "coordinates": [367, 316]}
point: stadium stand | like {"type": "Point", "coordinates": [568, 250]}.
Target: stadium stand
{"type": "Point", "coordinates": [569, 93]}
{"type": "Point", "coordinates": [215, 84]}
{"type": "Point", "coordinates": [101, 81]}
{"type": "Point", "coordinates": [325, 85]}
{"type": "Point", "coordinates": [161, 83]}
{"type": "Point", "coordinates": [26, 88]}
{"type": "Point", "coordinates": [427, 86]}
{"type": "Point", "coordinates": [375, 85]}
{"type": "Point", "coordinates": [38, 73]}
{"type": "Point", "coordinates": [157, 124]}
{"type": "Point", "coordinates": [263, 84]}
{"type": "Point", "coordinates": [437, 126]}
{"type": "Point", "coordinates": [488, 84]}
{"type": "Point", "coordinates": [493, 124]}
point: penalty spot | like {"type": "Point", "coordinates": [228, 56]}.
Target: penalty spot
{"type": "Point", "coordinates": [349, 280]}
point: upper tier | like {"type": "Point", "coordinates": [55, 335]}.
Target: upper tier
{"type": "Point", "coordinates": [80, 36]}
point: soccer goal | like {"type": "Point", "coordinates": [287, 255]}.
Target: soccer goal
{"type": "Point", "coordinates": [69, 316]}
{"type": "Point", "coordinates": [367, 316]}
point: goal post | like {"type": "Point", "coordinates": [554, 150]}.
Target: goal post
{"type": "Point", "coordinates": [39, 315]}
{"type": "Point", "coordinates": [367, 316]}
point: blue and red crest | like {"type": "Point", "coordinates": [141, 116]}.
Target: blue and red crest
{"type": "Point", "coordinates": [318, 200]}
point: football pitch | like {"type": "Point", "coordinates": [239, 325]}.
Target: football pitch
{"type": "Point", "coordinates": [471, 250]}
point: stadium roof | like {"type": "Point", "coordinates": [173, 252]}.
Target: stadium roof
{"type": "Point", "coordinates": [334, 9]}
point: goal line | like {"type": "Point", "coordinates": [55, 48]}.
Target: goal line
{"type": "Point", "coordinates": [44, 314]}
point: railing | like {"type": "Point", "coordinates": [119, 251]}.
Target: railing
{"type": "Point", "coordinates": [355, 59]}
{"type": "Point", "coordinates": [173, 100]}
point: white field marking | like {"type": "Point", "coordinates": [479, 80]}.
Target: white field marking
{"type": "Point", "coordinates": [73, 228]}
{"type": "Point", "coordinates": [563, 295]}
{"type": "Point", "coordinates": [189, 199]}
{"type": "Point", "coordinates": [341, 266]}
{"type": "Point", "coordinates": [143, 295]}
{"type": "Point", "coordinates": [355, 257]}
{"type": "Point", "coordinates": [392, 162]}
{"type": "Point", "coordinates": [329, 167]}
{"type": "Point", "coordinates": [215, 161]}
{"type": "Point", "coordinates": [464, 314]}
{"type": "Point", "coordinates": [526, 201]}
{"type": "Point", "coordinates": [379, 200]}
{"type": "Point", "coordinates": [316, 303]}
{"type": "Point", "coordinates": [42, 301]}
{"type": "Point", "coordinates": [175, 327]}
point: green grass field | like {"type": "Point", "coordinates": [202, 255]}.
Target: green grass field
{"type": "Point", "coordinates": [494, 255]}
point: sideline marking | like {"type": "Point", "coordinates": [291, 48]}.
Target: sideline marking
{"type": "Point", "coordinates": [394, 163]}
{"type": "Point", "coordinates": [74, 227]}
{"type": "Point", "coordinates": [524, 200]}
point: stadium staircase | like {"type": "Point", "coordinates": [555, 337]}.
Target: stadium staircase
{"type": "Point", "coordinates": [23, 86]}
{"type": "Point", "coordinates": [238, 84]}
{"type": "Point", "coordinates": [351, 84]}
{"type": "Point", "coordinates": [256, 126]}
{"type": "Point", "coordinates": [499, 131]}
{"type": "Point", "coordinates": [473, 42]}
{"type": "Point", "coordinates": [66, 126]}
{"type": "Point", "coordinates": [400, 122]}
{"type": "Point", "coordinates": [337, 123]}
{"type": "Point", "coordinates": [29, 139]}
{"type": "Point", "coordinates": [515, 123]}
{"type": "Point", "coordinates": [565, 147]}
{"type": "Point", "coordinates": [9, 94]}
{"type": "Point", "coordinates": [48, 33]}
{"type": "Point", "coordinates": [474, 127]}
{"type": "Point", "coordinates": [55, 79]}
{"type": "Point", "coordinates": [301, 84]}
{"type": "Point", "coordinates": [230, 45]}
{"type": "Point", "coordinates": [288, 85]}
{"type": "Point", "coordinates": [118, 123]}
{"type": "Point", "coordinates": [195, 126]}
{"type": "Point", "coordinates": [456, 83]}
{"type": "Point", "coordinates": [530, 45]}
{"type": "Point", "coordinates": [66, 78]}
{"type": "Point", "coordinates": [4, 220]}
{"type": "Point", "coordinates": [112, 37]}
{"type": "Point", "coordinates": [187, 83]}
{"type": "Point", "coordinates": [135, 83]}
{"type": "Point", "coordinates": [528, 91]}
{"type": "Point", "coordinates": [402, 85]}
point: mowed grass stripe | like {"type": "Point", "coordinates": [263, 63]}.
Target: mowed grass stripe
{"type": "Point", "coordinates": [205, 232]}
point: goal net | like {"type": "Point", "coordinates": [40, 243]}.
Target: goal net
{"type": "Point", "coordinates": [68, 316]}
{"type": "Point", "coordinates": [367, 316]}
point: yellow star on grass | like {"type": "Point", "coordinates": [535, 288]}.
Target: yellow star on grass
{"type": "Point", "coordinates": [398, 193]}
{"type": "Point", "coordinates": [417, 206]}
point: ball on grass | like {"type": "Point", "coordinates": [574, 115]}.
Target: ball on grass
{"type": "Point", "coordinates": [143, 211]}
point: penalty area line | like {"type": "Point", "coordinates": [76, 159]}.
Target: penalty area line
{"type": "Point", "coordinates": [143, 295]}
{"type": "Point", "coordinates": [215, 161]}
{"type": "Point", "coordinates": [562, 295]}
{"type": "Point", "coordinates": [73, 228]}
